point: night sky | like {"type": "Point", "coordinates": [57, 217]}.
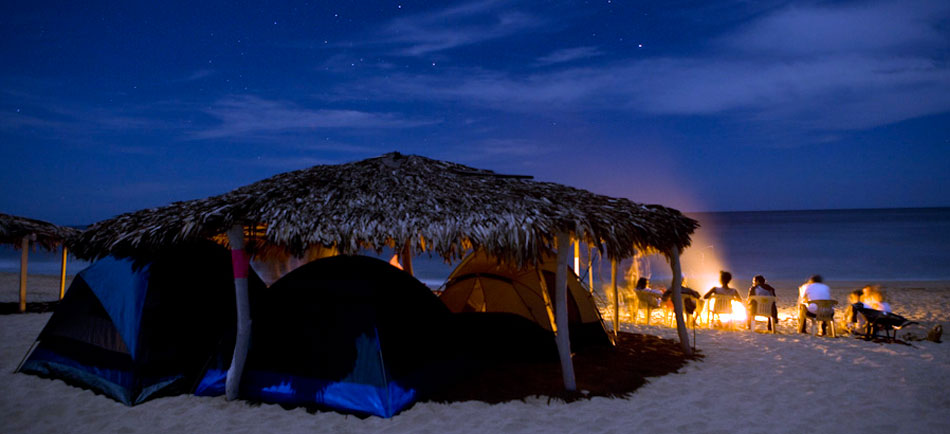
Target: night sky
{"type": "Point", "coordinates": [703, 106]}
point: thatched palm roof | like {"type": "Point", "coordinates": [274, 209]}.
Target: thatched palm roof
{"type": "Point", "coordinates": [437, 206]}
{"type": "Point", "coordinates": [48, 235]}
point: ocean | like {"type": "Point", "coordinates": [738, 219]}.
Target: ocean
{"type": "Point", "coordinates": [868, 245]}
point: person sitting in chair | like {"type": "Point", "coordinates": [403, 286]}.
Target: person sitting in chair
{"type": "Point", "coordinates": [874, 297]}
{"type": "Point", "coordinates": [814, 289]}
{"type": "Point", "coordinates": [642, 286]}
{"type": "Point", "coordinates": [759, 287]}
{"type": "Point", "coordinates": [855, 321]}
{"type": "Point", "coordinates": [689, 306]}
{"type": "Point", "coordinates": [724, 291]}
{"type": "Point", "coordinates": [724, 278]}
{"type": "Point", "coordinates": [877, 312]}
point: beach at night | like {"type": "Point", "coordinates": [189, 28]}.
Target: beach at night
{"type": "Point", "coordinates": [475, 216]}
{"type": "Point", "coordinates": [747, 381]}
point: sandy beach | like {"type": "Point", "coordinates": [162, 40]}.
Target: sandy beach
{"type": "Point", "coordinates": [749, 382]}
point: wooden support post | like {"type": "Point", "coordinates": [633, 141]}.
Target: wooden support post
{"type": "Point", "coordinates": [613, 285]}
{"type": "Point", "coordinates": [678, 300]}
{"type": "Point", "coordinates": [560, 295]}
{"type": "Point", "coordinates": [62, 275]}
{"type": "Point", "coordinates": [405, 258]}
{"type": "Point", "coordinates": [239, 264]}
{"type": "Point", "coordinates": [548, 302]}
{"type": "Point", "coordinates": [590, 268]}
{"type": "Point", "coordinates": [577, 257]}
{"type": "Point", "coordinates": [24, 259]}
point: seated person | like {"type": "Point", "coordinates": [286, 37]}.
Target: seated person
{"type": "Point", "coordinates": [855, 321]}
{"type": "Point", "coordinates": [759, 287]}
{"type": "Point", "coordinates": [874, 298]}
{"type": "Point", "coordinates": [877, 312]}
{"type": "Point", "coordinates": [814, 289]}
{"type": "Point", "coordinates": [689, 306]}
{"type": "Point", "coordinates": [724, 278]}
{"type": "Point", "coordinates": [642, 286]}
{"type": "Point", "coordinates": [724, 291]}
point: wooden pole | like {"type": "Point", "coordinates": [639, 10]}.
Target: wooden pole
{"type": "Point", "coordinates": [560, 294]}
{"type": "Point", "coordinates": [577, 257]}
{"type": "Point", "coordinates": [24, 259]}
{"type": "Point", "coordinates": [62, 275]}
{"type": "Point", "coordinates": [548, 302]}
{"type": "Point", "coordinates": [678, 300]}
{"type": "Point", "coordinates": [590, 268]}
{"type": "Point", "coordinates": [613, 285]}
{"type": "Point", "coordinates": [239, 264]}
{"type": "Point", "coordinates": [405, 258]}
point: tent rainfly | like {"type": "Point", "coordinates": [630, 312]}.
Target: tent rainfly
{"type": "Point", "coordinates": [20, 231]}
{"type": "Point", "coordinates": [413, 204]}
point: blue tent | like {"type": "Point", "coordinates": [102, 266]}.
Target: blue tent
{"type": "Point", "coordinates": [136, 329]}
{"type": "Point", "coordinates": [352, 333]}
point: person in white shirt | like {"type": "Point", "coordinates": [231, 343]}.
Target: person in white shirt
{"type": "Point", "coordinates": [814, 289]}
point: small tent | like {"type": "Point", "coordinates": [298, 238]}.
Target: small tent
{"type": "Point", "coordinates": [481, 283]}
{"type": "Point", "coordinates": [352, 333]}
{"type": "Point", "coordinates": [134, 329]}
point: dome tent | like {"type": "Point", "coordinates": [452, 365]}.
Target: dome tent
{"type": "Point", "coordinates": [135, 329]}
{"type": "Point", "coordinates": [482, 283]}
{"type": "Point", "coordinates": [352, 333]}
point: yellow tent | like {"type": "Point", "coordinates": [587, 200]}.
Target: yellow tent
{"type": "Point", "coordinates": [482, 284]}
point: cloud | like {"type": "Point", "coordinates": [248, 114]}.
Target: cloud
{"type": "Point", "coordinates": [874, 27]}
{"type": "Point", "coordinates": [568, 55]}
{"type": "Point", "coordinates": [247, 116]}
{"type": "Point", "coordinates": [457, 26]}
{"type": "Point", "coordinates": [852, 67]}
{"type": "Point", "coordinates": [42, 115]}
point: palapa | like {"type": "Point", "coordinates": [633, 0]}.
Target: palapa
{"type": "Point", "coordinates": [406, 202]}
{"type": "Point", "coordinates": [20, 231]}
{"type": "Point", "coordinates": [47, 235]}
{"type": "Point", "coordinates": [387, 201]}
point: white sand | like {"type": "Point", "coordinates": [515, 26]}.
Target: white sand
{"type": "Point", "coordinates": [749, 382]}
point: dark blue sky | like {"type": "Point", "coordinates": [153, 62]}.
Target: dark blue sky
{"type": "Point", "coordinates": [111, 107]}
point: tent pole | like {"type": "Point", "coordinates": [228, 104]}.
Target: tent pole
{"type": "Point", "coordinates": [62, 275]}
{"type": "Point", "coordinates": [560, 305]}
{"type": "Point", "coordinates": [239, 264]}
{"type": "Point", "coordinates": [613, 286]}
{"type": "Point", "coordinates": [24, 259]}
{"type": "Point", "coordinates": [406, 258]}
{"type": "Point", "coordinates": [678, 300]}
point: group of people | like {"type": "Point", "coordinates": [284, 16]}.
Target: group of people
{"type": "Point", "coordinates": [864, 305]}
{"type": "Point", "coordinates": [759, 287]}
